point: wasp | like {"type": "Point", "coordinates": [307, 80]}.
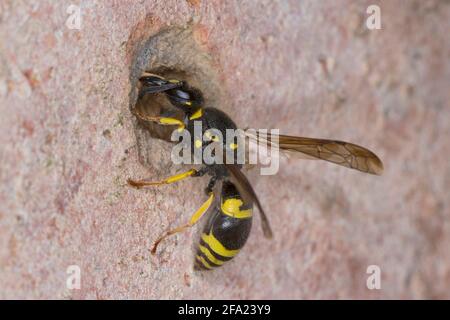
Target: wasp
{"type": "Point", "coordinates": [230, 215]}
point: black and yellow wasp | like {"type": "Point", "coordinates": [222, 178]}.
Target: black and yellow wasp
{"type": "Point", "coordinates": [230, 219]}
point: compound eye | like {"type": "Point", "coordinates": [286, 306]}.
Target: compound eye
{"type": "Point", "coordinates": [183, 94]}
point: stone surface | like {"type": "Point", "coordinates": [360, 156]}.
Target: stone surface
{"type": "Point", "coordinates": [69, 142]}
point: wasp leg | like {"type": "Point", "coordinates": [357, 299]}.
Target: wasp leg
{"type": "Point", "coordinates": [138, 184]}
{"type": "Point", "coordinates": [153, 80]}
{"type": "Point", "coordinates": [211, 184]}
{"type": "Point", "coordinates": [194, 219]}
{"type": "Point", "coordinates": [166, 121]}
{"type": "Point", "coordinates": [159, 88]}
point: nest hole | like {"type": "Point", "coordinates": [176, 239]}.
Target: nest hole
{"type": "Point", "coordinates": [172, 53]}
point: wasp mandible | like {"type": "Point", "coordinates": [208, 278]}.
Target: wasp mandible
{"type": "Point", "coordinates": [230, 219]}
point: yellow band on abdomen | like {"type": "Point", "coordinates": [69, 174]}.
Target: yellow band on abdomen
{"type": "Point", "coordinates": [210, 256]}
{"type": "Point", "coordinates": [231, 207]}
{"type": "Point", "coordinates": [203, 262]}
{"type": "Point", "coordinates": [217, 247]}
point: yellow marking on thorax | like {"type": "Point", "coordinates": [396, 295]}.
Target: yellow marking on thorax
{"type": "Point", "coordinates": [233, 146]}
{"type": "Point", "coordinates": [198, 143]}
{"type": "Point", "coordinates": [231, 207]}
{"type": "Point", "coordinates": [197, 114]}
{"type": "Point", "coordinates": [217, 247]}
{"type": "Point", "coordinates": [204, 262]}
{"type": "Point", "coordinates": [210, 256]}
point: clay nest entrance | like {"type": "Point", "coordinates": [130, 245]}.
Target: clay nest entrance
{"type": "Point", "coordinates": [173, 54]}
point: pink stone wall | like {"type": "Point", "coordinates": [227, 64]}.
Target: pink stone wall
{"type": "Point", "coordinates": [68, 142]}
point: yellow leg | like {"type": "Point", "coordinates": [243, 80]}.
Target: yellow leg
{"type": "Point", "coordinates": [166, 121]}
{"type": "Point", "coordinates": [194, 219]}
{"type": "Point", "coordinates": [143, 183]}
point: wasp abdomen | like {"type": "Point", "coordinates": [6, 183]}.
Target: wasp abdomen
{"type": "Point", "coordinates": [224, 235]}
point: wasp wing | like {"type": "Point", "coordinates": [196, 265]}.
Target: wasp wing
{"type": "Point", "coordinates": [246, 190]}
{"type": "Point", "coordinates": [339, 152]}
